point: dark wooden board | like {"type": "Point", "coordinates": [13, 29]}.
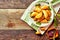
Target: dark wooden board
{"type": "Point", "coordinates": [22, 35]}
{"type": "Point", "coordinates": [15, 3]}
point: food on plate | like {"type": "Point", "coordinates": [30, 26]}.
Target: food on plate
{"type": "Point", "coordinates": [40, 19]}
{"type": "Point", "coordinates": [41, 14]}
{"type": "Point", "coordinates": [42, 28]}
{"type": "Point", "coordinates": [35, 19]}
{"type": "Point", "coordinates": [37, 9]}
{"type": "Point", "coordinates": [38, 32]}
{"type": "Point", "coordinates": [44, 7]}
{"type": "Point", "coordinates": [49, 13]}
{"type": "Point", "coordinates": [48, 18]}
{"type": "Point", "coordinates": [45, 13]}
{"type": "Point", "coordinates": [44, 21]}
{"type": "Point", "coordinates": [33, 14]}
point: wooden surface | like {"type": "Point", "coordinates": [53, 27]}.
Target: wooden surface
{"type": "Point", "coordinates": [11, 13]}
{"type": "Point", "coordinates": [11, 26]}
{"type": "Point", "coordinates": [15, 3]}
{"type": "Point", "coordinates": [22, 35]}
{"type": "Point", "coordinates": [10, 19]}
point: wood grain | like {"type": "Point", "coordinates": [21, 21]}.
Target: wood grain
{"type": "Point", "coordinates": [15, 4]}
{"type": "Point", "coordinates": [10, 19]}
{"type": "Point", "coordinates": [22, 35]}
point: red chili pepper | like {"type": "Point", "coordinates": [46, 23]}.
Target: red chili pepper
{"type": "Point", "coordinates": [57, 34]}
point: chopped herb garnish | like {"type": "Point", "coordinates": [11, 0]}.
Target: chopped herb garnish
{"type": "Point", "coordinates": [55, 22]}
{"type": "Point", "coordinates": [37, 5]}
{"type": "Point", "coordinates": [49, 8]}
{"type": "Point", "coordinates": [58, 15]}
{"type": "Point", "coordinates": [54, 1]}
{"type": "Point", "coordinates": [31, 12]}
{"type": "Point", "coordinates": [38, 23]}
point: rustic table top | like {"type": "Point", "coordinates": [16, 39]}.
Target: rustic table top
{"type": "Point", "coordinates": [11, 26]}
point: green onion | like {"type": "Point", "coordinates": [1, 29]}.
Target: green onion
{"type": "Point", "coordinates": [54, 1]}
{"type": "Point", "coordinates": [58, 15]}
{"type": "Point", "coordinates": [38, 23]}
{"type": "Point", "coordinates": [37, 5]}
{"type": "Point", "coordinates": [55, 22]}
{"type": "Point", "coordinates": [49, 8]}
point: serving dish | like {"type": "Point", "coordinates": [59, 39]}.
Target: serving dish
{"type": "Point", "coordinates": [26, 16]}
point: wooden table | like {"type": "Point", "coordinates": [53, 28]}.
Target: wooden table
{"type": "Point", "coordinates": [11, 26]}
